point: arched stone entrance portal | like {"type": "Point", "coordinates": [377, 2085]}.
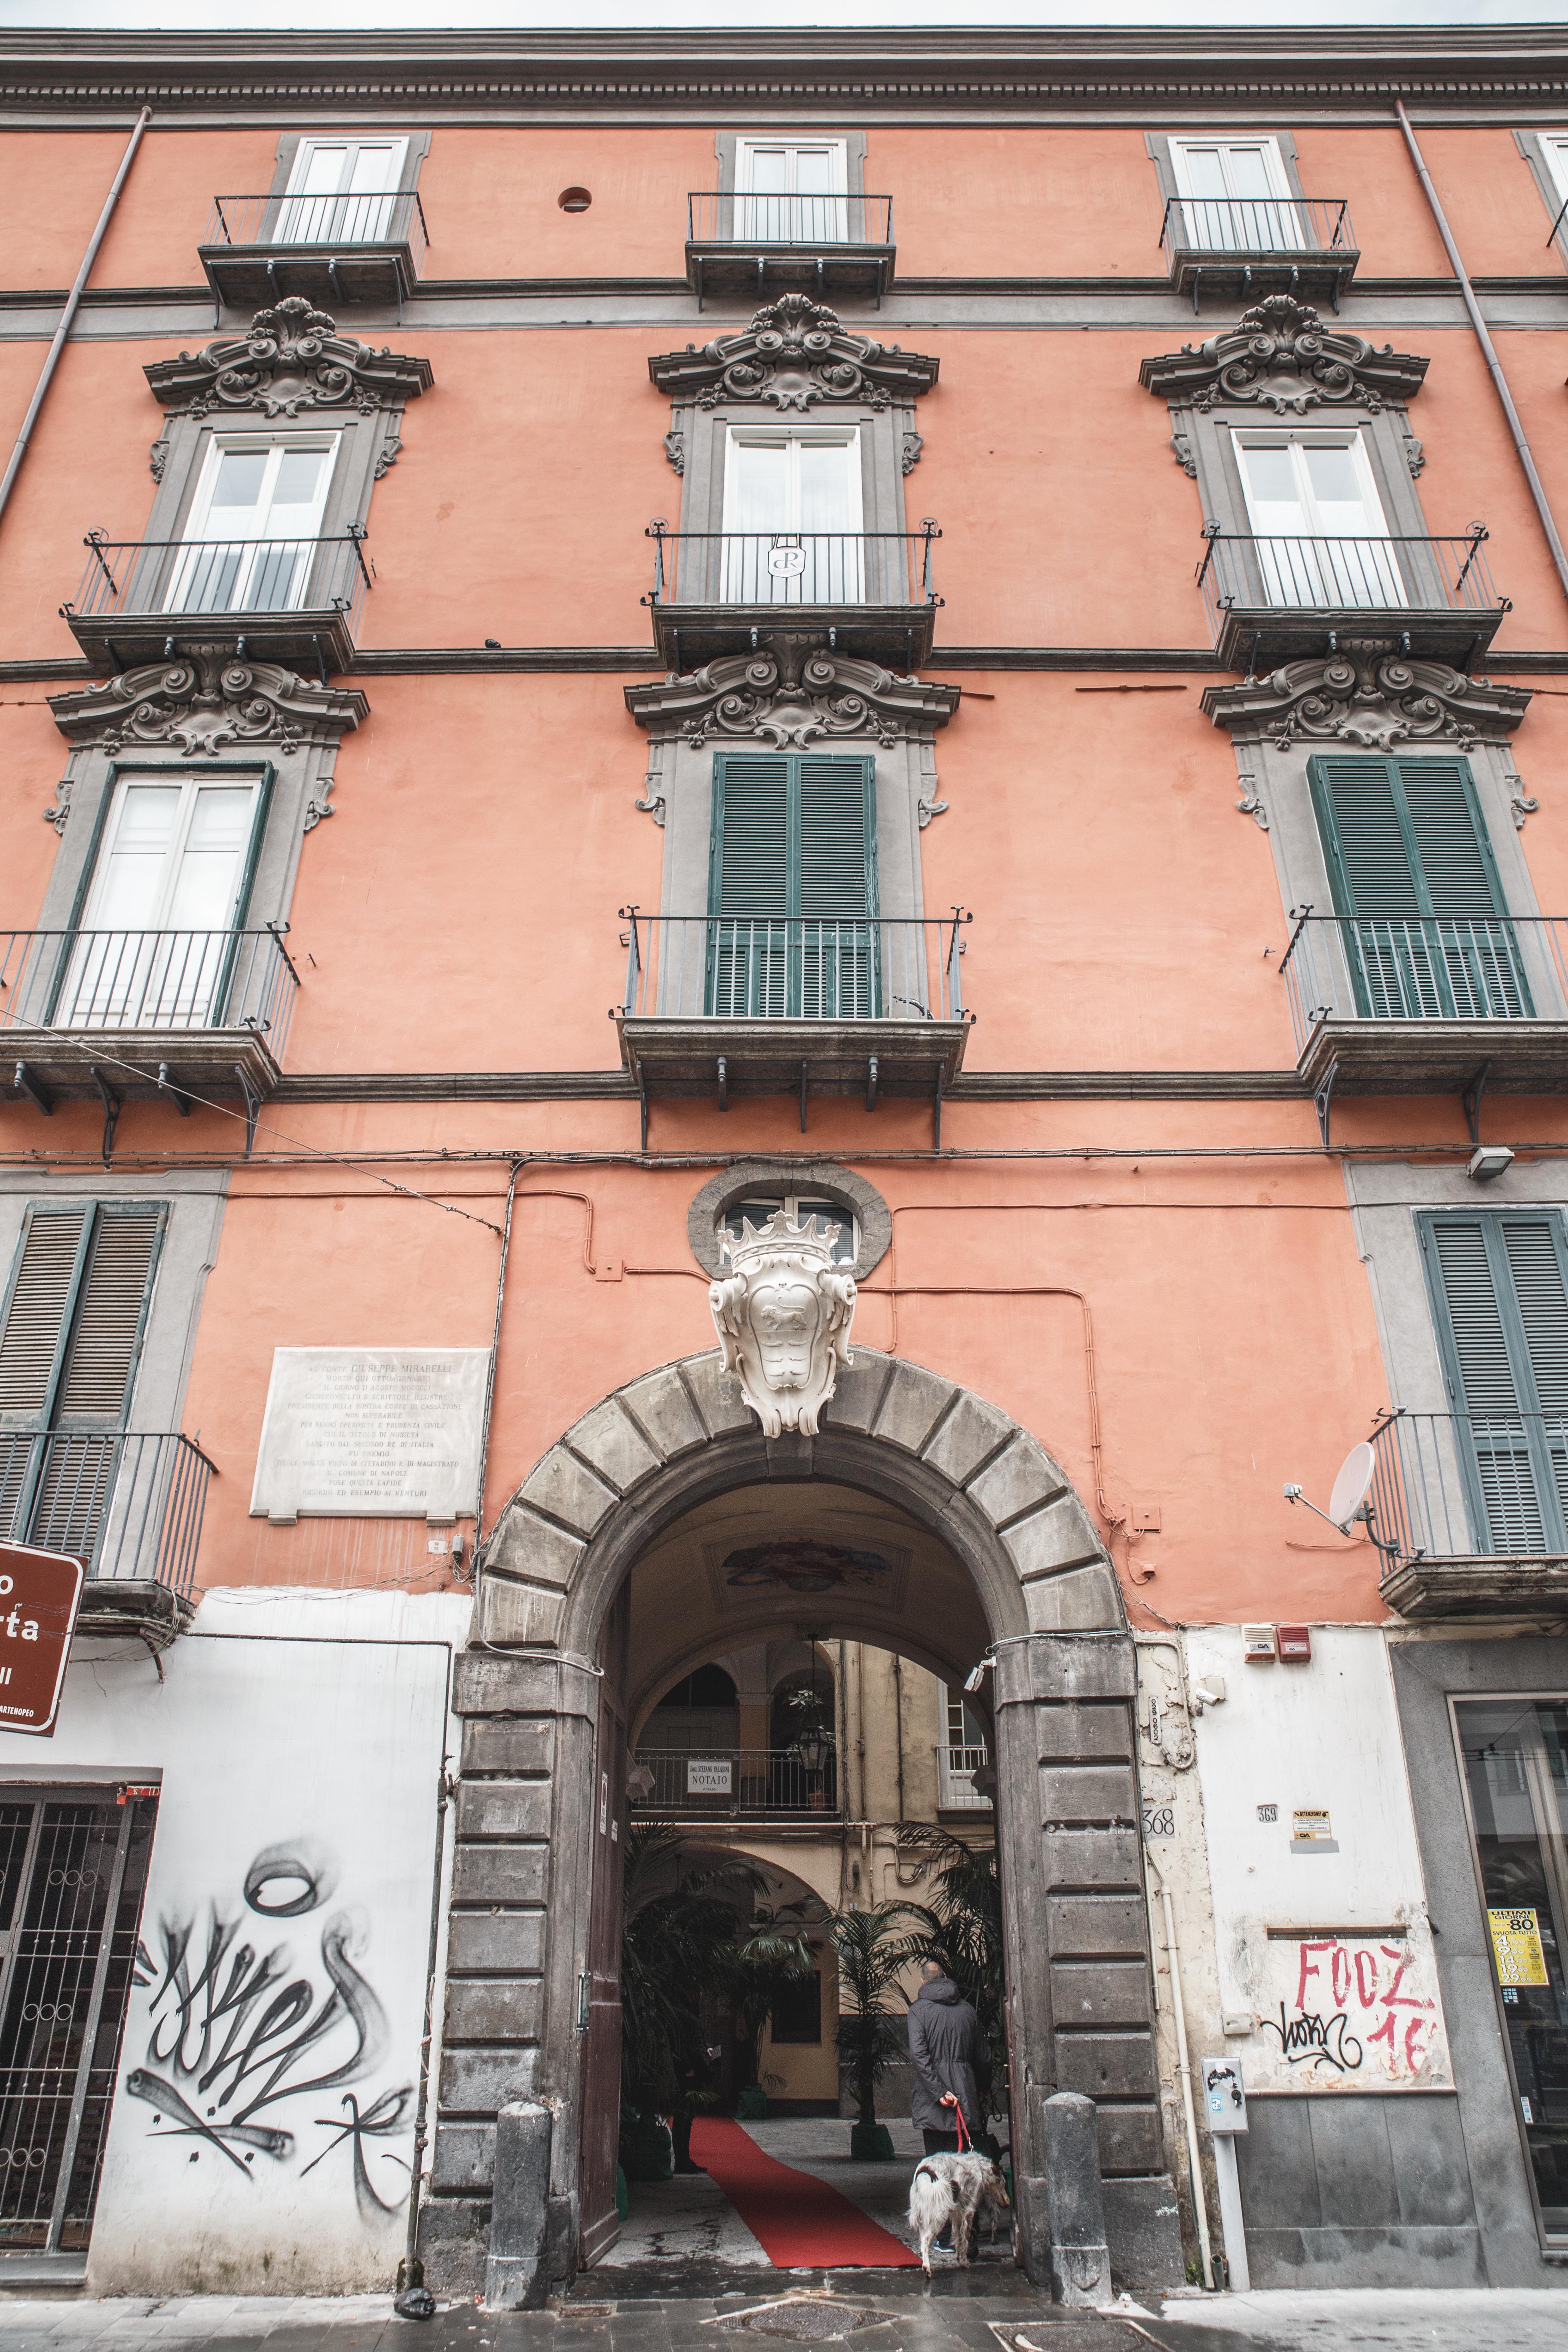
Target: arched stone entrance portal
{"type": "Point", "coordinates": [543, 1697]}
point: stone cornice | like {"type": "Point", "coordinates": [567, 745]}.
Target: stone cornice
{"type": "Point", "coordinates": [290, 361]}
{"type": "Point", "coordinates": [1368, 696]}
{"type": "Point", "coordinates": [1283, 360]}
{"type": "Point", "coordinates": [791, 693]}
{"type": "Point", "coordinates": [740, 74]}
{"type": "Point", "coordinates": [793, 355]}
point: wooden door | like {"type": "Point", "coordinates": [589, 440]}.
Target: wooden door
{"type": "Point", "coordinates": [600, 2093]}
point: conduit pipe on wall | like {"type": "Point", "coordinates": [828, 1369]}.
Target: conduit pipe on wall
{"type": "Point", "coordinates": [1185, 2067]}
{"type": "Point", "coordinates": [73, 301]}
{"type": "Point", "coordinates": [1488, 351]}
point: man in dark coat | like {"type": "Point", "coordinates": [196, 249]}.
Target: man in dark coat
{"type": "Point", "coordinates": [951, 2063]}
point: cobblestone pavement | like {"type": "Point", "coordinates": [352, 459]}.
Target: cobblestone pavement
{"type": "Point", "coordinates": [892, 2312]}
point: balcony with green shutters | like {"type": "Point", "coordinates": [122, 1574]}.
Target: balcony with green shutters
{"type": "Point", "coordinates": [1421, 979]}
{"type": "Point", "coordinates": [1468, 1506]}
{"type": "Point", "coordinates": [792, 981]}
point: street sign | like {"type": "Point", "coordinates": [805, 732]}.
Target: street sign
{"type": "Point", "coordinates": [40, 1593]}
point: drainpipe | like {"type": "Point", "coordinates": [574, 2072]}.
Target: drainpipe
{"type": "Point", "coordinates": [1184, 2066]}
{"type": "Point", "coordinates": [1488, 351]}
{"type": "Point", "coordinates": [67, 315]}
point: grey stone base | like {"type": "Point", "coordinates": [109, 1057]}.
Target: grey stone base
{"type": "Point", "coordinates": [454, 2241]}
{"type": "Point", "coordinates": [1396, 2255]}
{"type": "Point", "coordinates": [1143, 2231]}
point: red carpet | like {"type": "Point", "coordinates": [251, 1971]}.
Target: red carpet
{"type": "Point", "coordinates": [800, 2221]}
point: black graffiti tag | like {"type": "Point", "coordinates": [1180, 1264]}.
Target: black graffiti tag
{"type": "Point", "coordinates": [235, 2031]}
{"type": "Point", "coordinates": [1310, 2039]}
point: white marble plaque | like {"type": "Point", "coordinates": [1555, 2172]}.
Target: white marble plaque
{"type": "Point", "coordinates": [371, 1433]}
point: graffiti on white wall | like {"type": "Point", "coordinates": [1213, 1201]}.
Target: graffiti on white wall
{"type": "Point", "coordinates": [250, 2033]}
{"type": "Point", "coordinates": [1347, 2013]}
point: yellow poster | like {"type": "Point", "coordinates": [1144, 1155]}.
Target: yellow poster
{"type": "Point", "coordinates": [1516, 1942]}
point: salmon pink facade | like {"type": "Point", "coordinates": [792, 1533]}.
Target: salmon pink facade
{"type": "Point", "coordinates": [784, 894]}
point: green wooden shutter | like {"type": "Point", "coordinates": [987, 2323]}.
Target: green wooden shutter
{"type": "Point", "coordinates": [1415, 882]}
{"type": "Point", "coordinates": [792, 886]}
{"type": "Point", "coordinates": [68, 1349]}
{"type": "Point", "coordinates": [1500, 1288]}
{"type": "Point", "coordinates": [838, 887]}
{"type": "Point", "coordinates": [748, 885]}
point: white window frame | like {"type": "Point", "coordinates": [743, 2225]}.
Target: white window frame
{"type": "Point", "coordinates": [1303, 569]}
{"type": "Point", "coordinates": [785, 216]}
{"type": "Point", "coordinates": [166, 977]}
{"type": "Point", "coordinates": [798, 567]}
{"type": "Point", "coordinates": [1554, 155]}
{"type": "Point", "coordinates": [339, 217]}
{"type": "Point", "coordinates": [956, 1792]}
{"type": "Point", "coordinates": [187, 570]}
{"type": "Point", "coordinates": [1273, 224]}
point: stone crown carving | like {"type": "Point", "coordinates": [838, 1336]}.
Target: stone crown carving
{"type": "Point", "coordinates": [1368, 695]}
{"type": "Point", "coordinates": [205, 703]}
{"type": "Point", "coordinates": [291, 361]}
{"type": "Point", "coordinates": [1282, 357]}
{"type": "Point", "coordinates": [794, 354]}
{"type": "Point", "coordinates": [783, 1315]}
{"type": "Point", "coordinates": [791, 693]}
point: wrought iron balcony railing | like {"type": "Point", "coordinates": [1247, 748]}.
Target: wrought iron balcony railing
{"type": "Point", "coordinates": [1462, 1485]}
{"type": "Point", "coordinates": [1424, 968]}
{"type": "Point", "coordinates": [163, 981]}
{"type": "Point", "coordinates": [221, 578]}
{"type": "Point", "coordinates": [1282, 228]}
{"type": "Point", "coordinates": [1393, 580]}
{"type": "Point", "coordinates": [737, 217]}
{"type": "Point", "coordinates": [763, 968]}
{"type": "Point", "coordinates": [384, 216]}
{"type": "Point", "coordinates": [128, 1504]}
{"type": "Point", "coordinates": [737, 1780]}
{"type": "Point", "coordinates": [783, 570]}
{"type": "Point", "coordinates": [276, 595]}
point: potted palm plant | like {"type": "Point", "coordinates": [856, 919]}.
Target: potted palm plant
{"type": "Point", "coordinates": [871, 2037]}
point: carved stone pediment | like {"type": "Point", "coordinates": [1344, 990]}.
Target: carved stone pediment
{"type": "Point", "coordinates": [1283, 358]}
{"type": "Point", "coordinates": [292, 362]}
{"type": "Point", "coordinates": [207, 703]}
{"type": "Point", "coordinates": [790, 693]}
{"type": "Point", "coordinates": [783, 1315]}
{"type": "Point", "coordinates": [1367, 694]}
{"type": "Point", "coordinates": [793, 355]}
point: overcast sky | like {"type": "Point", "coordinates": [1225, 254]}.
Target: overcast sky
{"type": "Point", "coordinates": [415, 16]}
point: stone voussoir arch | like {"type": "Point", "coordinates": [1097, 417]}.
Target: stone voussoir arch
{"type": "Point", "coordinates": [568, 1535]}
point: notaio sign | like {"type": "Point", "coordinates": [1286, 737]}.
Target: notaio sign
{"type": "Point", "coordinates": [39, 1592]}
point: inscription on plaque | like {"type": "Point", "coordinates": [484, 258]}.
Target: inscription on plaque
{"type": "Point", "coordinates": [371, 1433]}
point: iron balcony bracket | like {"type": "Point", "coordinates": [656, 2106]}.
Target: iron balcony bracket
{"type": "Point", "coordinates": [110, 1109]}
{"type": "Point", "coordinates": [1471, 1098]}
{"type": "Point", "coordinates": [25, 1083]}
{"type": "Point", "coordinates": [804, 1069]}
{"type": "Point", "coordinates": [182, 1102]}
{"type": "Point", "coordinates": [642, 1102]}
{"type": "Point", "coordinates": [1323, 1097]}
{"type": "Point", "coordinates": [252, 1093]}
{"type": "Point", "coordinates": [936, 1112]}
{"type": "Point", "coordinates": [723, 1083]}
{"type": "Point", "coordinates": [871, 1083]}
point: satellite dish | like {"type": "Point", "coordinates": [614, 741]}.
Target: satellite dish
{"type": "Point", "coordinates": [1353, 1484]}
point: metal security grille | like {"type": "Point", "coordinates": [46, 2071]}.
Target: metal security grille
{"type": "Point", "coordinates": [72, 1872]}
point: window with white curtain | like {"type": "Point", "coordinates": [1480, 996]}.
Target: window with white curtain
{"type": "Point", "coordinates": [791, 190]}
{"type": "Point", "coordinates": [342, 192]}
{"type": "Point", "coordinates": [792, 516]}
{"type": "Point", "coordinates": [1237, 196]}
{"type": "Point", "coordinates": [1318, 521]}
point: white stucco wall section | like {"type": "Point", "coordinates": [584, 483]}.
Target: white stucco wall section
{"type": "Point", "coordinates": [298, 1739]}
{"type": "Point", "coordinates": [1337, 2005]}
